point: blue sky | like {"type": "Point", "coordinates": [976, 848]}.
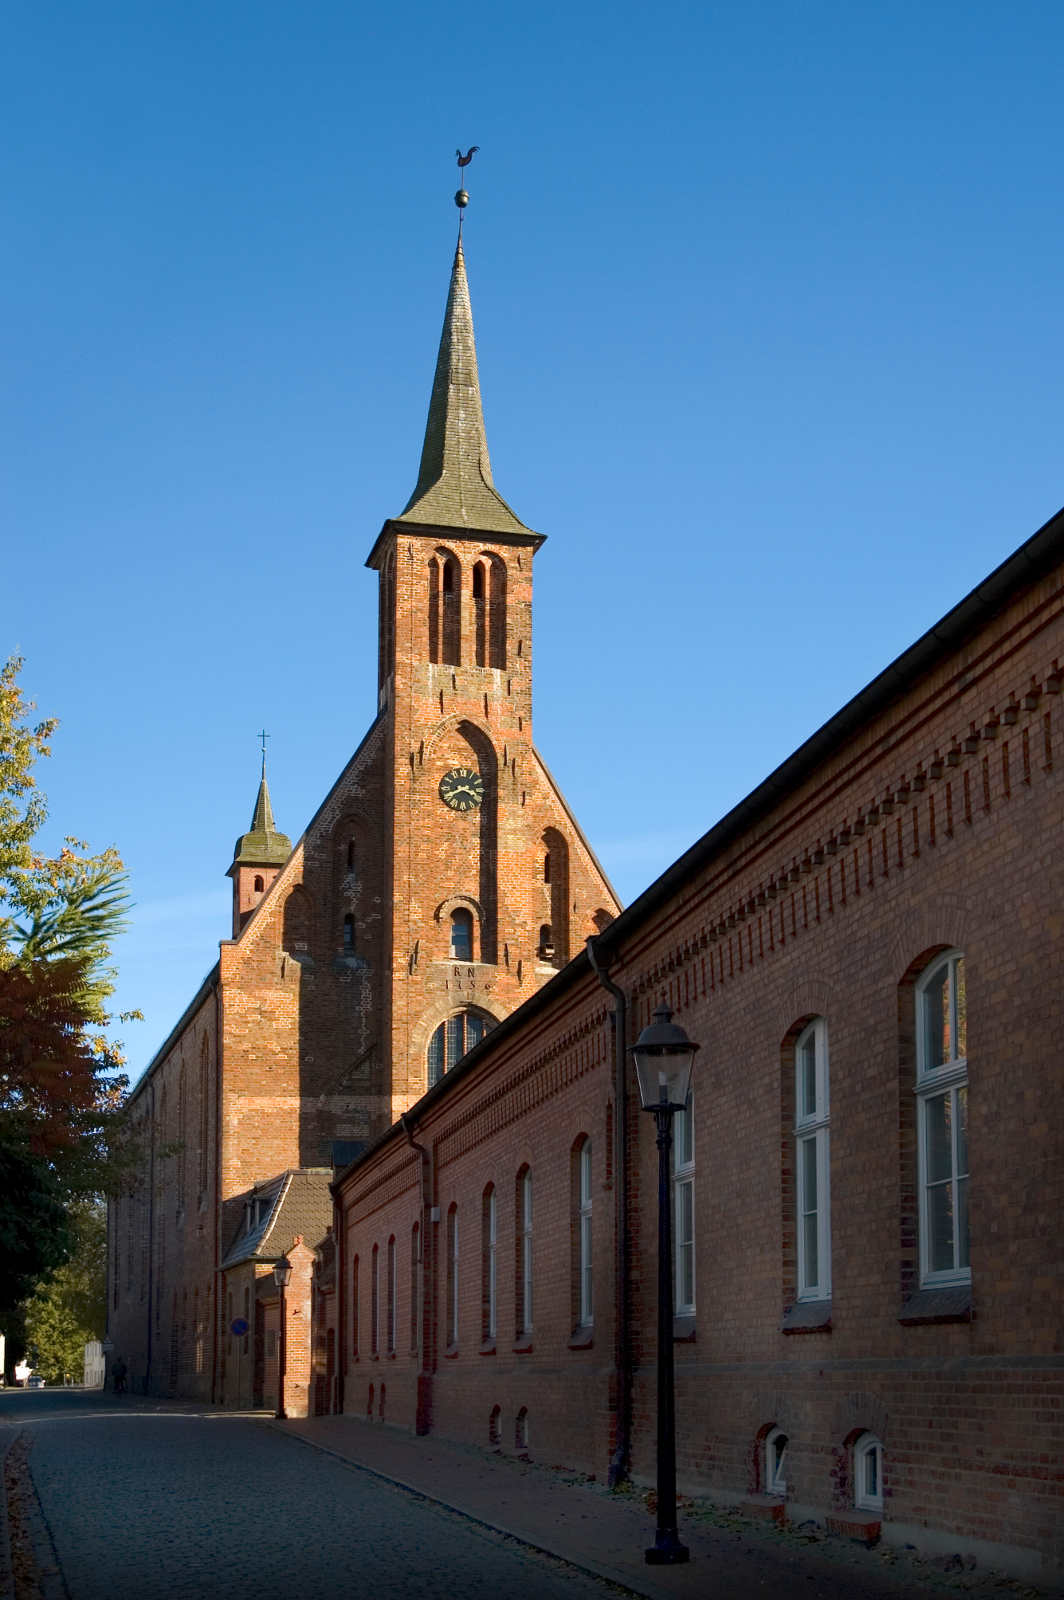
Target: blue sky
{"type": "Point", "coordinates": [768, 313]}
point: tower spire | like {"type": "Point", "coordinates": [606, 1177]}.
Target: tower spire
{"type": "Point", "coordinates": [455, 488]}
{"type": "Point", "coordinates": [259, 854]}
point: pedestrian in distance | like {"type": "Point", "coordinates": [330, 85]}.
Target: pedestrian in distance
{"type": "Point", "coordinates": [118, 1373]}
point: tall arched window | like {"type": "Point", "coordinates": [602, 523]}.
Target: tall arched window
{"type": "Point", "coordinates": [461, 935]}
{"type": "Point", "coordinates": [942, 1120]}
{"type": "Point", "coordinates": [452, 1276]}
{"type": "Point", "coordinates": [497, 614]}
{"type": "Point", "coordinates": [451, 597]}
{"type": "Point", "coordinates": [349, 935]}
{"type": "Point", "coordinates": [434, 609]}
{"type": "Point", "coordinates": [556, 875]}
{"type": "Point", "coordinates": [393, 1295]}
{"type": "Point", "coordinates": [453, 1038]}
{"type": "Point", "coordinates": [582, 1237]}
{"type": "Point", "coordinates": [812, 1161]}
{"type": "Point", "coordinates": [683, 1200]}
{"type": "Point", "coordinates": [489, 1284]}
{"type": "Point", "coordinates": [480, 616]}
{"type": "Point", "coordinates": [375, 1303]}
{"type": "Point", "coordinates": [868, 1473]}
{"type": "Point", "coordinates": [524, 1253]}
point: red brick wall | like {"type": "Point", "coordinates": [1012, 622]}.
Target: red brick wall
{"type": "Point", "coordinates": [934, 826]}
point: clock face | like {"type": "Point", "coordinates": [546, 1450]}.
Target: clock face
{"type": "Point", "coordinates": [462, 789]}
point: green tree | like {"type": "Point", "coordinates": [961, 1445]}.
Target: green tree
{"type": "Point", "coordinates": [70, 1308]}
{"type": "Point", "coordinates": [61, 1087]}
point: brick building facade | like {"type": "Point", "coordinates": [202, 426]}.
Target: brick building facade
{"type": "Point", "coordinates": [441, 882]}
{"type": "Point", "coordinates": [868, 949]}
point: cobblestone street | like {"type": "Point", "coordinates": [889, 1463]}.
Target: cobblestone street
{"type": "Point", "coordinates": [187, 1506]}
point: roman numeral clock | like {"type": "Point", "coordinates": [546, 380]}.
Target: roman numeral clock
{"type": "Point", "coordinates": [462, 789]}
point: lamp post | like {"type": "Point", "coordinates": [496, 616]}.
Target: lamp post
{"type": "Point", "coordinates": [282, 1271]}
{"type": "Point", "coordinates": [664, 1056]}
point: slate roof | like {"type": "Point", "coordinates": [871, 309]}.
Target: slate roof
{"type": "Point", "coordinates": [455, 488]}
{"type": "Point", "coordinates": [274, 1212]}
{"type": "Point", "coordinates": [263, 845]}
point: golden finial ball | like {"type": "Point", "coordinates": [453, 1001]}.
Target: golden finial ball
{"type": "Point", "coordinates": [461, 199]}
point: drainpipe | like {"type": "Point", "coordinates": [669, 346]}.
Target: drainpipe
{"type": "Point", "coordinates": [151, 1234]}
{"type": "Point", "coordinates": [622, 1351]}
{"type": "Point", "coordinates": [336, 1399]}
{"type": "Point", "coordinates": [429, 1215]}
{"type": "Point", "coordinates": [215, 1182]}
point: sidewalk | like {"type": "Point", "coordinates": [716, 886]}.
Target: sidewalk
{"type": "Point", "coordinates": [606, 1534]}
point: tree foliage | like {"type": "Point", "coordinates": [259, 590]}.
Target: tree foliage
{"type": "Point", "coordinates": [61, 1087]}
{"type": "Point", "coordinates": [70, 1308]}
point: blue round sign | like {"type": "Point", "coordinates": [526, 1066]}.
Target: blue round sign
{"type": "Point", "coordinates": [239, 1326]}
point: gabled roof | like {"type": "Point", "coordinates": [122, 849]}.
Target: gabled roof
{"type": "Point", "coordinates": [297, 1202]}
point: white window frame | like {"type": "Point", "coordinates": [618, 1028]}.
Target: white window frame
{"type": "Point", "coordinates": [683, 1210]}
{"type": "Point", "coordinates": [452, 1286]}
{"type": "Point", "coordinates": [867, 1451]}
{"type": "Point", "coordinates": [812, 1131]}
{"type": "Point", "coordinates": [526, 1252]}
{"type": "Point", "coordinates": [586, 1237]}
{"type": "Point", "coordinates": [491, 1263]}
{"type": "Point", "coordinates": [946, 1081]}
{"type": "Point", "coordinates": [392, 1309]}
{"type": "Point", "coordinates": [776, 1464]}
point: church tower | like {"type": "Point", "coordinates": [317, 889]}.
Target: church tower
{"type": "Point", "coordinates": [493, 886]}
{"type": "Point", "coordinates": [443, 879]}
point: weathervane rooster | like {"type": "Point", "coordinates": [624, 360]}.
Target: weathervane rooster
{"type": "Point", "coordinates": [464, 160]}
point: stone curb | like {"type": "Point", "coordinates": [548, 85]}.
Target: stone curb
{"type": "Point", "coordinates": [595, 1569]}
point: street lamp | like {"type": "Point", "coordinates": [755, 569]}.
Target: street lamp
{"type": "Point", "coordinates": [664, 1056]}
{"type": "Point", "coordinates": [282, 1271]}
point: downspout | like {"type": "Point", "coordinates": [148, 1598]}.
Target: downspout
{"type": "Point", "coordinates": [217, 1171]}
{"type": "Point", "coordinates": [336, 1399]}
{"type": "Point", "coordinates": [151, 1235]}
{"type": "Point", "coordinates": [429, 1214]}
{"type": "Point", "coordinates": [622, 1344]}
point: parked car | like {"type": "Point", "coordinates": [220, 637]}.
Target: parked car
{"type": "Point", "coordinates": [34, 1381]}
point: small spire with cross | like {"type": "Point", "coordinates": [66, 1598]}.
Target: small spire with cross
{"type": "Point", "coordinates": [263, 736]}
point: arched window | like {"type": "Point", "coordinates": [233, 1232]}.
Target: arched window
{"type": "Point", "coordinates": [415, 1288]}
{"type": "Point", "coordinates": [434, 609]}
{"type": "Point", "coordinates": [296, 934]}
{"type": "Point", "coordinates": [260, 884]}
{"type": "Point", "coordinates": [349, 935]}
{"type": "Point", "coordinates": [521, 1429]}
{"type": "Point", "coordinates": [556, 874]}
{"type": "Point", "coordinates": [392, 1292]}
{"type": "Point", "coordinates": [683, 1200]}
{"type": "Point", "coordinates": [582, 1237]}
{"type": "Point", "coordinates": [350, 855]}
{"type": "Point", "coordinates": [545, 951]}
{"type": "Point", "coordinates": [453, 1038]}
{"type": "Point", "coordinates": [942, 1120]}
{"type": "Point", "coordinates": [497, 618]}
{"type": "Point", "coordinates": [523, 1286]}
{"type": "Point", "coordinates": [354, 1309]}
{"type": "Point", "coordinates": [374, 1303]}
{"type": "Point", "coordinates": [461, 935]}
{"type": "Point", "coordinates": [812, 1161]}
{"type": "Point", "coordinates": [480, 616]}
{"type": "Point", "coordinates": [489, 1284]}
{"type": "Point", "coordinates": [452, 1277]}
{"type": "Point", "coordinates": [775, 1463]}
{"type": "Point", "coordinates": [868, 1473]}
{"type": "Point", "coordinates": [451, 630]}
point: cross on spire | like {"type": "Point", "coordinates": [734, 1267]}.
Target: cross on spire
{"type": "Point", "coordinates": [263, 735]}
